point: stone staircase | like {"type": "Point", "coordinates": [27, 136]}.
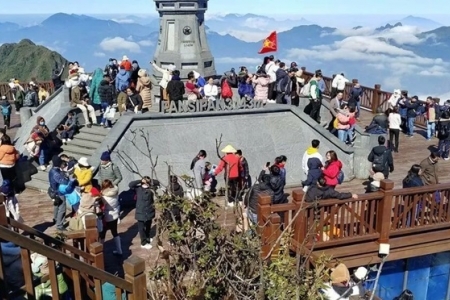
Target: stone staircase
{"type": "Point", "coordinates": [84, 143]}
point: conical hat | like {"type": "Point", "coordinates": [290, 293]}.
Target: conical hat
{"type": "Point", "coordinates": [229, 149]}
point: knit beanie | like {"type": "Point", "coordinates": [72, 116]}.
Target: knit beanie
{"type": "Point", "coordinates": [106, 156]}
{"type": "Point", "coordinates": [340, 274]}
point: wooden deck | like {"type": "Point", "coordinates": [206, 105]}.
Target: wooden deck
{"type": "Point", "coordinates": [37, 209]}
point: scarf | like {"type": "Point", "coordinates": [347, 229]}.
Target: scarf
{"type": "Point", "coordinates": [176, 78]}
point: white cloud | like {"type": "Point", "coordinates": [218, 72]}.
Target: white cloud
{"type": "Point", "coordinates": [364, 31]}
{"type": "Point", "coordinates": [246, 35]}
{"type": "Point", "coordinates": [256, 23]}
{"type": "Point", "coordinates": [119, 43]}
{"type": "Point", "coordinates": [124, 21]}
{"type": "Point", "coordinates": [145, 43]}
{"type": "Point", "coordinates": [239, 60]}
{"type": "Point", "coordinates": [99, 54]}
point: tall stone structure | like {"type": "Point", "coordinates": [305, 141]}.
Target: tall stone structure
{"type": "Point", "coordinates": [182, 37]}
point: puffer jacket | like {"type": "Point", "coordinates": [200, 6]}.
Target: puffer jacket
{"type": "Point", "coordinates": [106, 92]}
{"type": "Point", "coordinates": [112, 205]}
{"type": "Point", "coordinates": [144, 88]}
{"type": "Point", "coordinates": [8, 155]}
{"type": "Point", "coordinates": [84, 177]}
{"type": "Point", "coordinates": [331, 172]}
{"type": "Point", "coordinates": [314, 171]}
{"type": "Point", "coordinates": [342, 121]}
{"type": "Point", "coordinates": [259, 189]}
{"type": "Point", "coordinates": [145, 205]}
{"type": "Point", "coordinates": [315, 193]}
{"type": "Point", "coordinates": [261, 88]}
{"type": "Point", "coordinates": [122, 79]}
{"type": "Point", "coordinates": [86, 204]}
{"type": "Point", "coordinates": [277, 185]}
{"type": "Point", "coordinates": [111, 172]}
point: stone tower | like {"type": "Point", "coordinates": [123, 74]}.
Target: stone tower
{"type": "Point", "coordinates": [182, 37]}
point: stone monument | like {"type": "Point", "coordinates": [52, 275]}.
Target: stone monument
{"type": "Point", "coordinates": [182, 37]}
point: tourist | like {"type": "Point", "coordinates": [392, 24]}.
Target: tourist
{"type": "Point", "coordinates": [342, 123]}
{"type": "Point", "coordinates": [429, 169]}
{"type": "Point", "coordinates": [246, 179]}
{"type": "Point", "coordinates": [394, 99]}
{"type": "Point", "coordinates": [77, 101]}
{"type": "Point", "coordinates": [338, 85]}
{"type": "Point", "coordinates": [432, 115]}
{"type": "Point", "coordinates": [97, 78]}
{"type": "Point", "coordinates": [111, 70]}
{"type": "Point", "coordinates": [271, 69]}
{"type": "Point", "coordinates": [246, 90]}
{"type": "Point", "coordinates": [200, 83]}
{"type": "Point", "coordinates": [108, 170]}
{"type": "Point", "coordinates": [232, 166]}
{"type": "Point", "coordinates": [395, 121]}
{"type": "Point", "coordinates": [31, 97]}
{"type": "Point", "coordinates": [340, 285]}
{"type": "Point", "coordinates": [106, 93]}
{"type": "Point", "coordinates": [10, 200]}
{"type": "Point", "coordinates": [192, 91]}
{"type": "Point", "coordinates": [403, 110]}
{"type": "Point", "coordinates": [125, 64]}
{"type": "Point", "coordinates": [89, 206]}
{"type": "Point", "coordinates": [42, 130]}
{"type": "Point", "coordinates": [314, 173]}
{"type": "Point", "coordinates": [351, 113]}
{"type": "Point", "coordinates": [33, 146]}
{"type": "Point", "coordinates": [56, 177]}
{"type": "Point", "coordinates": [56, 77]}
{"type": "Point", "coordinates": [277, 184]}
{"type": "Point", "coordinates": [381, 158]}
{"type": "Point", "coordinates": [312, 151]}
{"type": "Point", "coordinates": [123, 78]}
{"type": "Point", "coordinates": [280, 162]}
{"type": "Point", "coordinates": [134, 74]}
{"type": "Point", "coordinates": [12, 264]}
{"type": "Point", "coordinates": [145, 209]}
{"type": "Point", "coordinates": [331, 169]}
{"type": "Point", "coordinates": [175, 88]}
{"type": "Point", "coordinates": [67, 130]}
{"type": "Point", "coordinates": [413, 178]}
{"type": "Point", "coordinates": [355, 98]}
{"type": "Point", "coordinates": [336, 103]}
{"type": "Point", "coordinates": [285, 88]}
{"type": "Point", "coordinates": [261, 188]}
{"type": "Point", "coordinates": [110, 193]}
{"type": "Point", "coordinates": [8, 159]}
{"type": "Point", "coordinates": [412, 105]}
{"type": "Point", "coordinates": [166, 77]}
{"type": "Point", "coordinates": [43, 94]}
{"type": "Point", "coordinates": [315, 98]}
{"type": "Point", "coordinates": [84, 174]}
{"type": "Point", "coordinates": [443, 129]}
{"type": "Point", "coordinates": [297, 83]}
{"type": "Point", "coordinates": [122, 98]}
{"type": "Point", "coordinates": [379, 123]}
{"type": "Point", "coordinates": [211, 90]}
{"type": "Point", "coordinates": [19, 96]}
{"type": "Point", "coordinates": [209, 180]}
{"type": "Point", "coordinates": [373, 185]}
{"type": "Point", "coordinates": [70, 193]}
{"type": "Point", "coordinates": [6, 111]}
{"type": "Point", "coordinates": [323, 191]}
{"type": "Point", "coordinates": [198, 168]}
{"type": "Point", "coordinates": [261, 82]}
{"type": "Point", "coordinates": [134, 103]}
{"type": "Point", "coordinates": [144, 88]}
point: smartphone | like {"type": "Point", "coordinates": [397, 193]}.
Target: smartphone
{"type": "Point", "coordinates": [267, 164]}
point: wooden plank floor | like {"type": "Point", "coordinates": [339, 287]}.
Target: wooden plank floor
{"type": "Point", "coordinates": [37, 209]}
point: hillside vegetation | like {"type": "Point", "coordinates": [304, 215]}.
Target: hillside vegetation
{"type": "Point", "coordinates": [26, 60]}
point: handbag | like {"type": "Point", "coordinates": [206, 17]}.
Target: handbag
{"type": "Point", "coordinates": [110, 113]}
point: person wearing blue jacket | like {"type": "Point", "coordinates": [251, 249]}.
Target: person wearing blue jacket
{"type": "Point", "coordinates": [57, 177]}
{"type": "Point", "coordinates": [122, 79]}
{"type": "Point", "coordinates": [314, 172]}
{"type": "Point", "coordinates": [246, 89]}
{"type": "Point", "coordinates": [70, 193]}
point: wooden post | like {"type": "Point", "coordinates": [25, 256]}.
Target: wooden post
{"type": "Point", "coordinates": [384, 211]}
{"type": "Point", "coordinates": [275, 224]}
{"type": "Point", "coordinates": [263, 212]}
{"type": "Point", "coordinates": [134, 268]}
{"type": "Point", "coordinates": [91, 231]}
{"type": "Point", "coordinates": [3, 218]}
{"type": "Point", "coordinates": [96, 250]}
{"type": "Point", "coordinates": [376, 98]}
{"type": "Point", "coordinates": [299, 223]}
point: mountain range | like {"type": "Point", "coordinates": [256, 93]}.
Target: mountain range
{"type": "Point", "coordinates": [394, 55]}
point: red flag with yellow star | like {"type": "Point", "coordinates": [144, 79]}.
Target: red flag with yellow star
{"type": "Point", "coordinates": [269, 44]}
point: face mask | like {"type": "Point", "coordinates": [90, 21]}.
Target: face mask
{"type": "Point", "coordinates": [145, 186]}
{"type": "Point", "coordinates": [42, 123]}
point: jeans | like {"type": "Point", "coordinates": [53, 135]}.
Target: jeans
{"type": "Point", "coordinates": [252, 217]}
{"type": "Point", "coordinates": [144, 231]}
{"type": "Point", "coordinates": [443, 147]}
{"type": "Point", "coordinates": [7, 120]}
{"type": "Point", "coordinates": [394, 135]}
{"type": "Point", "coordinates": [59, 214]}
{"type": "Point", "coordinates": [431, 129]}
{"type": "Point", "coordinates": [42, 154]}
{"type": "Point", "coordinates": [67, 134]}
{"type": "Point", "coordinates": [349, 136]}
{"type": "Point", "coordinates": [104, 121]}
{"type": "Point", "coordinates": [342, 134]}
{"type": "Point", "coordinates": [411, 126]}
{"type": "Point", "coordinates": [358, 108]}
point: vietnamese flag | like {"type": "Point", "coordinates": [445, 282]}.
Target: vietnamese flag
{"type": "Point", "coordinates": [270, 44]}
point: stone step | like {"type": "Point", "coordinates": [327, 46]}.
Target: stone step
{"type": "Point", "coordinates": [41, 175]}
{"type": "Point", "coordinates": [38, 184]}
{"type": "Point", "coordinates": [84, 136]}
{"type": "Point", "coordinates": [97, 130]}
{"type": "Point", "coordinates": [82, 151]}
{"type": "Point", "coordinates": [85, 143]}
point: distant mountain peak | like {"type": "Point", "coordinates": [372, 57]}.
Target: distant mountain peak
{"type": "Point", "coordinates": [26, 42]}
{"type": "Point", "coordinates": [389, 26]}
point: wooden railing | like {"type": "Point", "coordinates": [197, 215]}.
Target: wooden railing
{"type": "Point", "coordinates": [5, 90]}
{"type": "Point", "coordinates": [372, 98]}
{"type": "Point", "coordinates": [82, 265]}
{"type": "Point", "coordinates": [374, 217]}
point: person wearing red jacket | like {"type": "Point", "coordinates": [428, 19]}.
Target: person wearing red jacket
{"type": "Point", "coordinates": [233, 167]}
{"type": "Point", "coordinates": [332, 168]}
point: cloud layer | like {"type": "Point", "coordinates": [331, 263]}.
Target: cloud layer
{"type": "Point", "coordinates": [119, 44]}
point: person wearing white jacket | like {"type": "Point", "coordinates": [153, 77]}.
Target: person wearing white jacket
{"type": "Point", "coordinates": [166, 77]}
{"type": "Point", "coordinates": [338, 85]}
{"type": "Point", "coordinates": [393, 100]}
{"type": "Point", "coordinates": [211, 90]}
{"type": "Point", "coordinates": [110, 194]}
{"type": "Point", "coordinates": [312, 151]}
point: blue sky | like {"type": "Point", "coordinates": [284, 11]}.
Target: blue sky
{"type": "Point", "coordinates": [267, 7]}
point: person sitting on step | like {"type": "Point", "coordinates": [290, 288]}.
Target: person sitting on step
{"type": "Point", "coordinates": [67, 130]}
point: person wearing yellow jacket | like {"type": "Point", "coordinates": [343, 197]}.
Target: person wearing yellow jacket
{"type": "Point", "coordinates": [312, 151]}
{"type": "Point", "coordinates": [84, 174]}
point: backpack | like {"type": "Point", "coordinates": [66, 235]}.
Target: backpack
{"type": "Point", "coordinates": [379, 162]}
{"type": "Point", "coordinates": [227, 93]}
{"type": "Point", "coordinates": [306, 90]}
{"type": "Point", "coordinates": [6, 110]}
{"type": "Point", "coordinates": [76, 223]}
{"type": "Point", "coordinates": [28, 101]}
{"type": "Point", "coordinates": [340, 177]}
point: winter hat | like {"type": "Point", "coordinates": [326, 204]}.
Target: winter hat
{"type": "Point", "coordinates": [340, 274]}
{"type": "Point", "coordinates": [229, 149]}
{"type": "Point", "coordinates": [196, 75]}
{"type": "Point", "coordinates": [378, 176]}
{"type": "Point", "coordinates": [95, 192]}
{"type": "Point", "coordinates": [124, 58]}
{"type": "Point", "coordinates": [106, 156]}
{"type": "Point", "coordinates": [142, 72]}
{"type": "Point", "coordinates": [83, 161]}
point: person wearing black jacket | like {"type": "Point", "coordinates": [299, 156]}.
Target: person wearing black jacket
{"type": "Point", "coordinates": [261, 188]}
{"type": "Point", "coordinates": [134, 101]}
{"type": "Point", "coordinates": [175, 88]}
{"type": "Point", "coordinates": [106, 94]}
{"type": "Point", "coordinates": [321, 191]}
{"type": "Point", "coordinates": [411, 106]}
{"type": "Point", "coordinates": [443, 134]}
{"type": "Point", "coordinates": [381, 158]}
{"type": "Point", "coordinates": [145, 209]}
{"type": "Point", "coordinates": [277, 185]}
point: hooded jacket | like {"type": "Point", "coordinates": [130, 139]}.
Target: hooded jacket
{"type": "Point", "coordinates": [331, 172]}
{"type": "Point", "coordinates": [261, 87]}
{"type": "Point", "coordinates": [310, 153]}
{"type": "Point", "coordinates": [277, 184]}
{"type": "Point", "coordinates": [144, 88]}
{"type": "Point", "coordinates": [166, 77]}
{"type": "Point", "coordinates": [122, 79]}
{"type": "Point", "coordinates": [111, 172]}
{"type": "Point", "coordinates": [234, 164]}
{"type": "Point", "coordinates": [429, 172]}
{"type": "Point", "coordinates": [388, 160]}
{"type": "Point", "coordinates": [112, 205]}
{"type": "Point", "coordinates": [105, 92]}
{"type": "Point", "coordinates": [316, 192]}
{"type": "Point", "coordinates": [314, 171]}
{"type": "Point", "coordinates": [8, 155]}
{"type": "Point", "coordinates": [69, 192]}
{"type": "Point", "coordinates": [97, 78]}
{"type": "Point", "coordinates": [145, 206]}
{"type": "Point", "coordinates": [258, 189]}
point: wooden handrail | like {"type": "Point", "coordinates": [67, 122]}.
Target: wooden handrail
{"type": "Point", "coordinates": [63, 259]}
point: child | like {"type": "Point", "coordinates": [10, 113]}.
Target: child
{"type": "Point", "coordinates": [314, 173]}
{"type": "Point", "coordinates": [209, 180]}
{"type": "Point", "coordinates": [11, 203]}
{"type": "Point", "coordinates": [33, 145]}
{"type": "Point", "coordinates": [6, 112]}
{"type": "Point", "coordinates": [71, 194]}
{"type": "Point", "coordinates": [67, 130]}
{"type": "Point", "coordinates": [374, 182]}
